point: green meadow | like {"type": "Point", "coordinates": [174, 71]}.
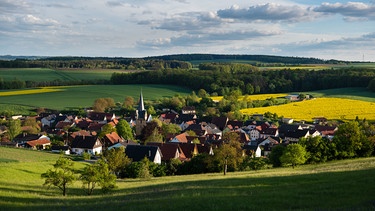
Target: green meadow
{"type": "Point", "coordinates": [84, 96]}
{"type": "Point", "coordinates": [339, 185]}
{"type": "Point", "coordinates": [45, 74]}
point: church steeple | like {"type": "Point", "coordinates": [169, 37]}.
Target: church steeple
{"type": "Point", "coordinates": [141, 111]}
{"type": "Point", "coordinates": [141, 105]}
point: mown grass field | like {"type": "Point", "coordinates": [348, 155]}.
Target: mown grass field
{"type": "Point", "coordinates": [45, 74]}
{"type": "Point", "coordinates": [339, 185]}
{"type": "Point", "coordinates": [84, 96]}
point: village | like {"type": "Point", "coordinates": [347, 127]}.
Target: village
{"type": "Point", "coordinates": [257, 136]}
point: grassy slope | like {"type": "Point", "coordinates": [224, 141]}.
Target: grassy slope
{"type": "Point", "coordinates": [84, 96]}
{"type": "Point", "coordinates": [335, 185]}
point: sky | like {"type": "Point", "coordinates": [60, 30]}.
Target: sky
{"type": "Point", "coordinates": [342, 30]}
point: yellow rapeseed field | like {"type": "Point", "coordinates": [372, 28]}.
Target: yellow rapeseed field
{"type": "Point", "coordinates": [253, 97]}
{"type": "Point", "coordinates": [30, 91]}
{"type": "Point", "coordinates": [330, 108]}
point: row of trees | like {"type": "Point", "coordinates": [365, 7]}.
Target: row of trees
{"type": "Point", "coordinates": [222, 78]}
{"type": "Point", "coordinates": [96, 63]}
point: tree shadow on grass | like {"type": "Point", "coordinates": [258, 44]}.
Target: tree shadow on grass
{"type": "Point", "coordinates": [319, 191]}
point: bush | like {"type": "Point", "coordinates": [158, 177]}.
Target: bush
{"type": "Point", "coordinates": [86, 156]}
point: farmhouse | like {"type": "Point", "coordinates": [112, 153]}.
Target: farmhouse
{"type": "Point", "coordinates": [138, 152]}
{"type": "Point", "coordinates": [88, 144]}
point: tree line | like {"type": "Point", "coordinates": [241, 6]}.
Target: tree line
{"type": "Point", "coordinates": [220, 79]}
{"type": "Point", "coordinates": [95, 63]}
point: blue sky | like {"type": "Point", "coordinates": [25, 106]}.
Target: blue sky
{"type": "Point", "coordinates": [341, 30]}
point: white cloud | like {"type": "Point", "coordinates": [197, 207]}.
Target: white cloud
{"type": "Point", "coordinates": [269, 12]}
{"type": "Point", "coordinates": [351, 10]}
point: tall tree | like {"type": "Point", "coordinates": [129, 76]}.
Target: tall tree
{"type": "Point", "coordinates": [33, 126]}
{"type": "Point", "coordinates": [124, 130]}
{"type": "Point", "coordinates": [294, 154]}
{"type": "Point", "coordinates": [229, 154]}
{"type": "Point", "coordinates": [116, 160]}
{"type": "Point", "coordinates": [14, 128]}
{"type": "Point", "coordinates": [61, 175]}
{"type": "Point", "coordinates": [97, 174]}
{"type": "Point", "coordinates": [348, 139]}
{"type": "Point", "coordinates": [317, 147]}
{"type": "Point", "coordinates": [276, 153]}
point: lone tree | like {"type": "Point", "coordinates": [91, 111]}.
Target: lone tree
{"type": "Point", "coordinates": [229, 154]}
{"type": "Point", "coordinates": [61, 175]}
{"type": "Point", "coordinates": [294, 155]}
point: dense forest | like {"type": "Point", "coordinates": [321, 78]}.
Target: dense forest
{"type": "Point", "coordinates": [222, 79]}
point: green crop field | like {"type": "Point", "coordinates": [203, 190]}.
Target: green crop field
{"type": "Point", "coordinates": [44, 74]}
{"type": "Point", "coordinates": [338, 185]}
{"type": "Point", "coordinates": [84, 96]}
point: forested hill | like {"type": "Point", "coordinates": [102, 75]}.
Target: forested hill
{"type": "Point", "coordinates": [249, 58]}
{"type": "Point", "coordinates": [168, 61]}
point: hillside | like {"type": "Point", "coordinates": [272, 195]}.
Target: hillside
{"type": "Point", "coordinates": [336, 185]}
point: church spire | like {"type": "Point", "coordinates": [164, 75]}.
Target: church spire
{"type": "Point", "coordinates": [141, 111]}
{"type": "Point", "coordinates": [141, 105]}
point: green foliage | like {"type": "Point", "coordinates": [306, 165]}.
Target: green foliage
{"type": "Point", "coordinates": [86, 156]}
{"type": "Point", "coordinates": [170, 129]}
{"type": "Point", "coordinates": [97, 174]}
{"type": "Point", "coordinates": [14, 128]}
{"type": "Point", "coordinates": [317, 147]}
{"type": "Point", "coordinates": [61, 175]}
{"type": "Point", "coordinates": [294, 154]}
{"type": "Point", "coordinates": [33, 125]}
{"type": "Point", "coordinates": [124, 130]}
{"type": "Point", "coordinates": [172, 166]}
{"type": "Point", "coordinates": [155, 136]}
{"type": "Point", "coordinates": [229, 154]}
{"type": "Point", "coordinates": [106, 129]}
{"type": "Point", "coordinates": [116, 160]}
{"type": "Point", "coordinates": [144, 169]}
{"type": "Point", "coordinates": [348, 140]}
{"type": "Point", "coordinates": [251, 163]}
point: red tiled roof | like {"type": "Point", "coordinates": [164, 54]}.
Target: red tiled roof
{"type": "Point", "coordinates": [34, 143]}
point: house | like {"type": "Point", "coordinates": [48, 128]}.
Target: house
{"type": "Point", "coordinates": [169, 151]}
{"type": "Point", "coordinates": [168, 118]}
{"type": "Point", "coordinates": [111, 139]}
{"type": "Point", "coordinates": [138, 152]}
{"type": "Point", "coordinates": [88, 144]}
{"type": "Point", "coordinates": [101, 117]}
{"type": "Point", "coordinates": [251, 150]}
{"type": "Point", "coordinates": [188, 110]}
{"type": "Point", "coordinates": [294, 136]}
{"type": "Point", "coordinates": [292, 97]}
{"type": "Point", "coordinates": [254, 134]}
{"type": "Point", "coordinates": [189, 150]}
{"type": "Point", "coordinates": [320, 120]}
{"type": "Point", "coordinates": [220, 122]}
{"type": "Point", "coordinates": [181, 138]}
{"type": "Point", "coordinates": [123, 144]}
{"type": "Point", "coordinates": [199, 129]}
{"type": "Point", "coordinates": [205, 148]}
{"type": "Point", "coordinates": [287, 120]}
{"type": "Point", "coordinates": [38, 144]}
{"type": "Point", "coordinates": [269, 132]}
{"type": "Point", "coordinates": [60, 149]}
{"type": "Point", "coordinates": [22, 138]}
